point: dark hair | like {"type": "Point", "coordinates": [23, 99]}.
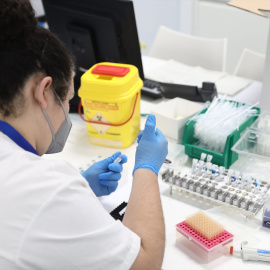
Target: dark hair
{"type": "Point", "coordinates": [27, 49]}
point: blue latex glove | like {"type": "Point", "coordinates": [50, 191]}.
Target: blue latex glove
{"type": "Point", "coordinates": [103, 176]}
{"type": "Point", "coordinates": [152, 147]}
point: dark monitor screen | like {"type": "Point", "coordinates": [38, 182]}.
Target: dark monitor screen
{"type": "Point", "coordinates": [95, 31]}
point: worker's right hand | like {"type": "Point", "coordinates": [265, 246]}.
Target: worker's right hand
{"type": "Point", "coordinates": [103, 176]}
{"type": "Point", "coordinates": [152, 148]}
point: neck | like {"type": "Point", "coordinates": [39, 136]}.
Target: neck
{"type": "Point", "coordinates": [24, 128]}
{"type": "Point", "coordinates": [32, 127]}
{"type": "Point", "coordinates": [30, 121]}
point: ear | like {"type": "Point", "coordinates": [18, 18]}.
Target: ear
{"type": "Point", "coordinates": [41, 89]}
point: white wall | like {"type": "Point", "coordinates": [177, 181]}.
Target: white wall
{"type": "Point", "coordinates": [150, 14]}
{"type": "Point", "coordinates": [243, 29]}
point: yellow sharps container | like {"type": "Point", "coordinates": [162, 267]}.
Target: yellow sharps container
{"type": "Point", "coordinates": [110, 95]}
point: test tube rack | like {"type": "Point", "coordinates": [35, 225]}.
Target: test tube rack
{"type": "Point", "coordinates": [215, 183]}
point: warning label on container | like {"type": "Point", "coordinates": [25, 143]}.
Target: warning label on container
{"type": "Point", "coordinates": [99, 105]}
{"type": "Point", "coordinates": [101, 129]}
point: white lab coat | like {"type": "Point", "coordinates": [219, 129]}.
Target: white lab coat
{"type": "Point", "coordinates": [51, 219]}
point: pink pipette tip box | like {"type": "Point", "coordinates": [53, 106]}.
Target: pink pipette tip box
{"type": "Point", "coordinates": [201, 241]}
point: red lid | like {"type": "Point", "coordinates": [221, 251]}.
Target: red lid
{"type": "Point", "coordinates": [110, 70]}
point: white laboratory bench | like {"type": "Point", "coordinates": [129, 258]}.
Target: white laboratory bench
{"type": "Point", "coordinates": [176, 207]}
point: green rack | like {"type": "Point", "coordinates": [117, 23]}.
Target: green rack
{"type": "Point", "coordinates": [228, 157]}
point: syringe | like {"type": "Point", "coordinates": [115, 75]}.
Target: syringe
{"type": "Point", "coordinates": [251, 254]}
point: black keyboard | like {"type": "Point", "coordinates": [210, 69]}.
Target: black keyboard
{"type": "Point", "coordinates": [157, 90]}
{"type": "Point", "coordinates": [151, 89]}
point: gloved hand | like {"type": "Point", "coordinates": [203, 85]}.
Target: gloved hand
{"type": "Point", "coordinates": [152, 148]}
{"type": "Point", "coordinates": [103, 176]}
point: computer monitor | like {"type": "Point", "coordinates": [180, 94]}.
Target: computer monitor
{"type": "Point", "coordinates": [95, 31]}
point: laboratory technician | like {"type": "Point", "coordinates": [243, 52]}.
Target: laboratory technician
{"type": "Point", "coordinates": [50, 216]}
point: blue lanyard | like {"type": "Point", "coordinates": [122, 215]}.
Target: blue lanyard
{"type": "Point", "coordinates": [16, 137]}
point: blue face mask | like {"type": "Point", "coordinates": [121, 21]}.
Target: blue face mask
{"type": "Point", "coordinates": [59, 139]}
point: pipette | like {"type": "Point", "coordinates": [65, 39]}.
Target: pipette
{"type": "Point", "coordinates": [251, 254]}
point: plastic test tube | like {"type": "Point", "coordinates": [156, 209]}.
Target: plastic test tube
{"type": "Point", "coordinates": [256, 189]}
{"type": "Point", "coordinates": [221, 170]}
{"type": "Point", "coordinates": [203, 156]}
{"type": "Point", "coordinates": [227, 180]}
{"type": "Point", "coordinates": [118, 159]}
{"type": "Point", "coordinates": [200, 169]}
{"type": "Point", "coordinates": [243, 183]}
{"type": "Point", "coordinates": [194, 165]}
{"type": "Point", "coordinates": [209, 158]}
{"type": "Point", "coordinates": [214, 169]}
{"type": "Point", "coordinates": [234, 183]}
{"type": "Point", "coordinates": [208, 166]}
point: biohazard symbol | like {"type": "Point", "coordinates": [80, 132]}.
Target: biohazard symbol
{"type": "Point", "coordinates": [101, 129]}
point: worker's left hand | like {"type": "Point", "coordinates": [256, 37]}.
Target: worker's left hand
{"type": "Point", "coordinates": [103, 176]}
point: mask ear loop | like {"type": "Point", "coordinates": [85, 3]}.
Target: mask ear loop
{"type": "Point", "coordinates": [45, 114]}
{"type": "Point", "coordinates": [62, 105]}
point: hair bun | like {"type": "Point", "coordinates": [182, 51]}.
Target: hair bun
{"type": "Point", "coordinates": [17, 22]}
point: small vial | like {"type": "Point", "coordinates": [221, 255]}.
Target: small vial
{"type": "Point", "coordinates": [227, 180]}
{"type": "Point", "coordinates": [203, 156]}
{"type": "Point", "coordinates": [234, 184]}
{"type": "Point", "coordinates": [248, 185]}
{"type": "Point", "coordinates": [221, 170]}
{"type": "Point", "coordinates": [209, 158]}
{"type": "Point", "coordinates": [208, 166]}
{"type": "Point", "coordinates": [194, 165]}
{"type": "Point", "coordinates": [200, 168]}
{"type": "Point", "coordinates": [256, 189]}
{"type": "Point", "coordinates": [214, 169]}
{"type": "Point", "coordinates": [118, 159]}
